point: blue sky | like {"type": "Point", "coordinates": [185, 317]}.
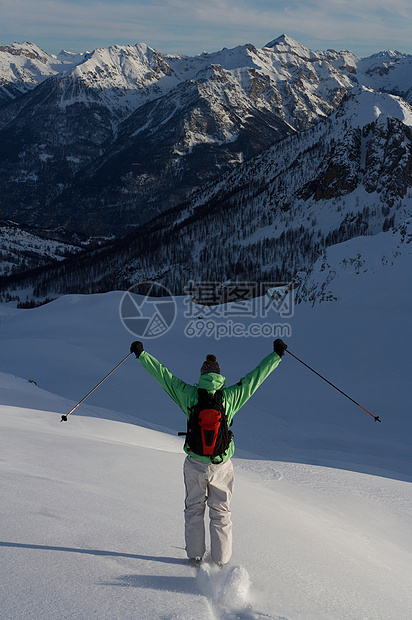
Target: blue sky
{"type": "Point", "coordinates": [192, 26]}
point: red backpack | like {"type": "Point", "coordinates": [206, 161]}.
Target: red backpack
{"type": "Point", "coordinates": [208, 432]}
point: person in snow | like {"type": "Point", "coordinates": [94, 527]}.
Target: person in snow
{"type": "Point", "coordinates": [209, 479]}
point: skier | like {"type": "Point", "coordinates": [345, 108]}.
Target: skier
{"type": "Point", "coordinates": [209, 479]}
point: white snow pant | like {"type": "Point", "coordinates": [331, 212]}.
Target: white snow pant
{"type": "Point", "coordinates": [213, 484]}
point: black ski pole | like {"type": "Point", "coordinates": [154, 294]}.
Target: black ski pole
{"type": "Point", "coordinates": [64, 417]}
{"type": "Point", "coordinates": [376, 418]}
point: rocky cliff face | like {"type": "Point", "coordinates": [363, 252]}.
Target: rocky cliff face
{"type": "Point", "coordinates": [378, 157]}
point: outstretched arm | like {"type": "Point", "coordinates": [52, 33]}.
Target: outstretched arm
{"type": "Point", "coordinates": [237, 395]}
{"type": "Point", "coordinates": [182, 393]}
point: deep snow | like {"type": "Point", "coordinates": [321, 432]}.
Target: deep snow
{"type": "Point", "coordinates": [92, 523]}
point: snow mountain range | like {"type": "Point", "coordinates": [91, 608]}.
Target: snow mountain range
{"type": "Point", "coordinates": [271, 218]}
{"type": "Point", "coordinates": [244, 164]}
{"type": "Point", "coordinates": [101, 142]}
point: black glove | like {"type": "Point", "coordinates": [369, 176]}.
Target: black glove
{"type": "Point", "coordinates": [136, 347]}
{"type": "Point", "coordinates": [279, 347]}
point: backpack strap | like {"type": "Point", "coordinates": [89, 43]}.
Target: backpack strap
{"type": "Point", "coordinates": [206, 400]}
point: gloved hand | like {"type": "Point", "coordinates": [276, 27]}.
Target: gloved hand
{"type": "Point", "coordinates": [136, 347]}
{"type": "Point", "coordinates": [279, 347]}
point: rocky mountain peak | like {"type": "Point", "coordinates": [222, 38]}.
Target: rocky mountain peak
{"type": "Point", "coordinates": [27, 49]}
{"type": "Point", "coordinates": [286, 45]}
{"type": "Point", "coordinates": [391, 54]}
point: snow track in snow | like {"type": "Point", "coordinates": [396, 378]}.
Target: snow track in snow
{"type": "Point", "coordinates": [228, 592]}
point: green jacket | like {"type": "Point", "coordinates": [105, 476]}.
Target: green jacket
{"type": "Point", "coordinates": [186, 396]}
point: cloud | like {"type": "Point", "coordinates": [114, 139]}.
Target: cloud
{"type": "Point", "coordinates": [193, 25]}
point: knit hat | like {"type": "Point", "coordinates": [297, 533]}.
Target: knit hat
{"type": "Point", "coordinates": [210, 365]}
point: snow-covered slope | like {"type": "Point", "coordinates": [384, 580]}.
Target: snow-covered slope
{"type": "Point", "coordinates": [343, 268]}
{"type": "Point", "coordinates": [83, 337]}
{"type": "Point", "coordinates": [388, 71]}
{"type": "Point", "coordinates": [23, 66]}
{"type": "Point", "coordinates": [22, 249]}
{"type": "Point", "coordinates": [85, 534]}
{"type": "Point", "coordinates": [92, 522]}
